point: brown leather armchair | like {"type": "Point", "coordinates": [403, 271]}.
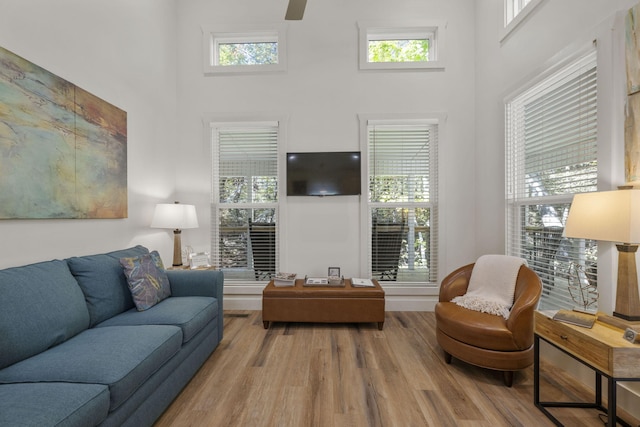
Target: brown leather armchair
{"type": "Point", "coordinates": [487, 340]}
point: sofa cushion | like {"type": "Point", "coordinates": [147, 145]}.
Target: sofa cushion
{"type": "Point", "coordinates": [103, 282]}
{"type": "Point", "coordinates": [147, 280]}
{"type": "Point", "coordinates": [53, 404]}
{"type": "Point", "coordinates": [191, 314]}
{"type": "Point", "coordinates": [122, 357]}
{"type": "Point", "coordinates": [41, 305]}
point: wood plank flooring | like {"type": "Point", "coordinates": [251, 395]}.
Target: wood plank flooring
{"type": "Point", "coordinates": [354, 375]}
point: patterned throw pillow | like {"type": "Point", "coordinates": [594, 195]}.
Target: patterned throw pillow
{"type": "Point", "coordinates": [147, 280]}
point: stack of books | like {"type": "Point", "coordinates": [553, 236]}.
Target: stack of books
{"type": "Point", "coordinates": [362, 283]}
{"type": "Point", "coordinates": [575, 318]}
{"type": "Point", "coordinates": [284, 279]}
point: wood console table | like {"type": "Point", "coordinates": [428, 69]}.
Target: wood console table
{"type": "Point", "coordinates": [323, 304]}
{"type": "Point", "coordinates": [601, 348]}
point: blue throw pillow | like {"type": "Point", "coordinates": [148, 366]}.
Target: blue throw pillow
{"type": "Point", "coordinates": [147, 280]}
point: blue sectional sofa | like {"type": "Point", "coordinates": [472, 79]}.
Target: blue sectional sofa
{"type": "Point", "coordinates": [75, 351]}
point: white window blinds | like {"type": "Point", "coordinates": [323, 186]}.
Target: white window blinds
{"type": "Point", "coordinates": [402, 201]}
{"type": "Point", "coordinates": [551, 133]}
{"type": "Point", "coordinates": [245, 200]}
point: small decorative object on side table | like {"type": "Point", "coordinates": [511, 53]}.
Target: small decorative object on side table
{"type": "Point", "coordinates": [199, 260]}
{"type": "Point", "coordinates": [335, 280]}
{"type": "Point", "coordinates": [582, 292]}
{"type": "Point", "coordinates": [334, 271]}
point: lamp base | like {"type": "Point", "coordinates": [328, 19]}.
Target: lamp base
{"type": "Point", "coordinates": [627, 297]}
{"type": "Point", "coordinates": [177, 248]}
{"type": "Point", "coordinates": [627, 317]}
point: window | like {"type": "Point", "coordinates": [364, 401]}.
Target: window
{"type": "Point", "coordinates": [513, 8]}
{"type": "Point", "coordinates": [252, 50]}
{"type": "Point", "coordinates": [551, 155]}
{"type": "Point", "coordinates": [244, 210]}
{"type": "Point", "coordinates": [402, 202]}
{"type": "Point", "coordinates": [246, 51]}
{"type": "Point", "coordinates": [400, 47]}
{"type": "Point", "coordinates": [514, 13]}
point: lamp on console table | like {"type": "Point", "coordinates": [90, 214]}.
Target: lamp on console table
{"type": "Point", "coordinates": [612, 216]}
{"type": "Point", "coordinates": [177, 217]}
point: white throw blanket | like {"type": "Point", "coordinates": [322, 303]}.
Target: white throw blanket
{"type": "Point", "coordinates": [492, 285]}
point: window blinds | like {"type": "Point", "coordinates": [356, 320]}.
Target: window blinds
{"type": "Point", "coordinates": [551, 133]}
{"type": "Point", "coordinates": [402, 201]}
{"type": "Point", "coordinates": [245, 191]}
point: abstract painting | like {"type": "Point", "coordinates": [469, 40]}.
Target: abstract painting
{"type": "Point", "coordinates": [632, 111]}
{"type": "Point", "coordinates": [63, 151]}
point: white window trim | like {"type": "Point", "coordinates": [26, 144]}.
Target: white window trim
{"type": "Point", "coordinates": [215, 120]}
{"type": "Point", "coordinates": [506, 28]}
{"type": "Point", "coordinates": [515, 199]}
{"type": "Point", "coordinates": [368, 31]}
{"type": "Point", "coordinates": [211, 38]}
{"type": "Point", "coordinates": [398, 118]}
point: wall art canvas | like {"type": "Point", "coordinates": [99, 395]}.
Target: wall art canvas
{"type": "Point", "coordinates": [632, 49]}
{"type": "Point", "coordinates": [63, 151]}
{"type": "Point", "coordinates": [632, 139]}
{"type": "Point", "coordinates": [632, 119]}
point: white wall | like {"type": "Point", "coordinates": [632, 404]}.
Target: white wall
{"type": "Point", "coordinates": [321, 94]}
{"type": "Point", "coordinates": [553, 31]}
{"type": "Point", "coordinates": [125, 53]}
{"type": "Point", "coordinates": [140, 57]}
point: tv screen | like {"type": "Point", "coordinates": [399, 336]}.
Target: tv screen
{"type": "Point", "coordinates": [323, 174]}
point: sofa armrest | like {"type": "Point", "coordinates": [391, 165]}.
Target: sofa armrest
{"type": "Point", "coordinates": [205, 283]}
{"type": "Point", "coordinates": [199, 283]}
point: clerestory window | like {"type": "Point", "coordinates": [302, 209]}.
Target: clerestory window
{"type": "Point", "coordinates": [242, 51]}
{"type": "Point", "coordinates": [383, 47]}
{"type": "Point", "coordinates": [514, 13]}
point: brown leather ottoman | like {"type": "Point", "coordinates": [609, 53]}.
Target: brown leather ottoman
{"type": "Point", "coordinates": [323, 304]}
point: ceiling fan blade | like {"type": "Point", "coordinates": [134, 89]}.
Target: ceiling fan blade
{"type": "Point", "coordinates": [295, 10]}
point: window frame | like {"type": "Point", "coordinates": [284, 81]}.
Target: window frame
{"type": "Point", "coordinates": [575, 67]}
{"type": "Point", "coordinates": [214, 123]}
{"type": "Point", "coordinates": [367, 206]}
{"type": "Point", "coordinates": [213, 37]}
{"type": "Point", "coordinates": [435, 32]}
{"type": "Point", "coordinates": [510, 23]}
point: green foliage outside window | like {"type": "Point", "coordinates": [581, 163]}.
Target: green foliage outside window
{"type": "Point", "coordinates": [248, 53]}
{"type": "Point", "coordinates": [398, 50]}
{"type": "Point", "coordinates": [399, 188]}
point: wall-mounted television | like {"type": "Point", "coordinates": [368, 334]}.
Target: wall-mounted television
{"type": "Point", "coordinates": [323, 174]}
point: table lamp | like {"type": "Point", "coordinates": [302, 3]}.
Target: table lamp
{"type": "Point", "coordinates": [177, 217]}
{"type": "Point", "coordinates": [612, 216]}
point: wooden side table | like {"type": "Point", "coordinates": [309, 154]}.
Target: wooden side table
{"type": "Point", "coordinates": [601, 348]}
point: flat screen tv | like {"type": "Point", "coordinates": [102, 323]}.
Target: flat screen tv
{"type": "Point", "coordinates": [323, 174]}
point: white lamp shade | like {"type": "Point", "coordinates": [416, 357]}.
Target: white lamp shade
{"type": "Point", "coordinates": [612, 216]}
{"type": "Point", "coordinates": [175, 216]}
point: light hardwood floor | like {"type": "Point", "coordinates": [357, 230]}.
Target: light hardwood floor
{"type": "Point", "coordinates": [355, 375]}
